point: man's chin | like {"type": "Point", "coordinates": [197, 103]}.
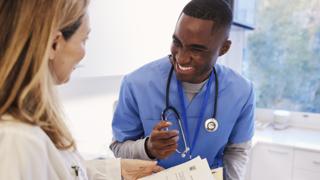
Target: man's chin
{"type": "Point", "coordinates": [182, 77]}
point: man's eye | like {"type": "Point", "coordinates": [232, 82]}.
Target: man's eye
{"type": "Point", "coordinates": [198, 50]}
{"type": "Point", "coordinates": [176, 42]}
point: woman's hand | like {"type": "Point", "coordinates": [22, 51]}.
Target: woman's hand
{"type": "Point", "coordinates": [132, 169]}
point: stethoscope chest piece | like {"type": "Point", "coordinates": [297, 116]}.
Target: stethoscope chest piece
{"type": "Point", "coordinates": [211, 125]}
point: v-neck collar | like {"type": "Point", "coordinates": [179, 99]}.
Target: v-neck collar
{"type": "Point", "coordinates": [174, 93]}
{"type": "Point", "coordinates": [198, 99]}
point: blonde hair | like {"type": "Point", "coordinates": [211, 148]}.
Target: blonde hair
{"type": "Point", "coordinates": [27, 90]}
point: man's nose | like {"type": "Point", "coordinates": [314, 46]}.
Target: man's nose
{"type": "Point", "coordinates": [183, 57]}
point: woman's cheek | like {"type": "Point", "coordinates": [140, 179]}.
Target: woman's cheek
{"type": "Point", "coordinates": [82, 53]}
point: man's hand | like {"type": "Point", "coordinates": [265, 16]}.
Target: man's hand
{"type": "Point", "coordinates": [162, 144]}
{"type": "Point", "coordinates": [132, 169]}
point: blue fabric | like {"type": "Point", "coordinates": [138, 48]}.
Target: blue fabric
{"type": "Point", "coordinates": [185, 120]}
{"type": "Point", "coordinates": [142, 98]}
{"type": "Point", "coordinates": [204, 104]}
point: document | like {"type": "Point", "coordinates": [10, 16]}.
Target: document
{"type": "Point", "coordinates": [217, 173]}
{"type": "Point", "coordinates": [194, 169]}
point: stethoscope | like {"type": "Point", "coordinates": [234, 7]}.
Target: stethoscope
{"type": "Point", "coordinates": [211, 124]}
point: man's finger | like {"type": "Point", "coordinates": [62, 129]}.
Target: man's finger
{"type": "Point", "coordinates": [169, 141]}
{"type": "Point", "coordinates": [171, 147]}
{"type": "Point", "coordinates": [162, 124]}
{"type": "Point", "coordinates": [169, 153]}
{"type": "Point", "coordinates": [166, 134]}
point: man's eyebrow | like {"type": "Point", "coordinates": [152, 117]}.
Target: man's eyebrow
{"type": "Point", "coordinates": [198, 46]}
{"type": "Point", "coordinates": [176, 39]}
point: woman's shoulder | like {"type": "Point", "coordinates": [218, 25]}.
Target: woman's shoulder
{"type": "Point", "coordinates": [16, 130]}
{"type": "Point", "coordinates": [15, 134]}
{"type": "Point", "coordinates": [27, 149]}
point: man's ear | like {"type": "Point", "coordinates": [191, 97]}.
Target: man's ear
{"type": "Point", "coordinates": [56, 45]}
{"type": "Point", "coordinates": [225, 48]}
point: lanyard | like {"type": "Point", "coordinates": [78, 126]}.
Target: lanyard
{"type": "Point", "coordinates": [184, 114]}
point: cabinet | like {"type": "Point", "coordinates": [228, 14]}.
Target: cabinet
{"type": "Point", "coordinates": [271, 162]}
{"type": "Point", "coordinates": [243, 12]}
{"type": "Point", "coordinates": [306, 165]}
{"type": "Point", "coordinates": [275, 162]}
{"type": "Point", "coordinates": [299, 174]}
{"type": "Point", "coordinates": [307, 160]}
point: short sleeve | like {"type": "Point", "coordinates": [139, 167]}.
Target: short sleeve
{"type": "Point", "coordinates": [126, 124]}
{"type": "Point", "coordinates": [243, 129]}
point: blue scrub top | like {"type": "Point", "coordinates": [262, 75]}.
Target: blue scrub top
{"type": "Point", "coordinates": [143, 98]}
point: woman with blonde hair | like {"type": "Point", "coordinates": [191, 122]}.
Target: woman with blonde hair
{"type": "Point", "coordinates": [41, 42]}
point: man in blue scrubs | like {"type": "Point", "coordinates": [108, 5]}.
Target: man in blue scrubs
{"type": "Point", "coordinates": [200, 37]}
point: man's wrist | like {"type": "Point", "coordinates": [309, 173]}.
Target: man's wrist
{"type": "Point", "coordinates": [148, 151]}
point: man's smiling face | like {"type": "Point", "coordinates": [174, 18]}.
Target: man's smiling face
{"type": "Point", "coordinates": [195, 48]}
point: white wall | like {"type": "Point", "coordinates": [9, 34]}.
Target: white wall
{"type": "Point", "coordinates": [88, 104]}
{"type": "Point", "coordinates": [234, 57]}
{"type": "Point", "coordinates": [127, 34]}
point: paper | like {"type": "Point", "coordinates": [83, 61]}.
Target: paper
{"type": "Point", "coordinates": [192, 170]}
{"type": "Point", "coordinates": [217, 173]}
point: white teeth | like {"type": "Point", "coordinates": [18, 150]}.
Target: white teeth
{"type": "Point", "coordinates": [184, 68]}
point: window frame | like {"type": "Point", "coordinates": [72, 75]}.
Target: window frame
{"type": "Point", "coordinates": [234, 59]}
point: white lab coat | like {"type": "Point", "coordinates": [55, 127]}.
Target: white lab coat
{"type": "Point", "coordinates": [26, 152]}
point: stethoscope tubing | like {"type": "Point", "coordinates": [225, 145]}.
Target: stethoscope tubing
{"type": "Point", "coordinates": [174, 109]}
{"type": "Point", "coordinates": [176, 112]}
{"type": "Point", "coordinates": [167, 98]}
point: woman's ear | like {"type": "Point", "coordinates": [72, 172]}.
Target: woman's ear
{"type": "Point", "coordinates": [56, 45]}
{"type": "Point", "coordinates": [225, 48]}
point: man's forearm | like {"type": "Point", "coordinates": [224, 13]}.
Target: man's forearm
{"type": "Point", "coordinates": [129, 149]}
{"type": "Point", "coordinates": [235, 157]}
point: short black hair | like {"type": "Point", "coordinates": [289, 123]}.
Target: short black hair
{"type": "Point", "coordinates": [218, 11]}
